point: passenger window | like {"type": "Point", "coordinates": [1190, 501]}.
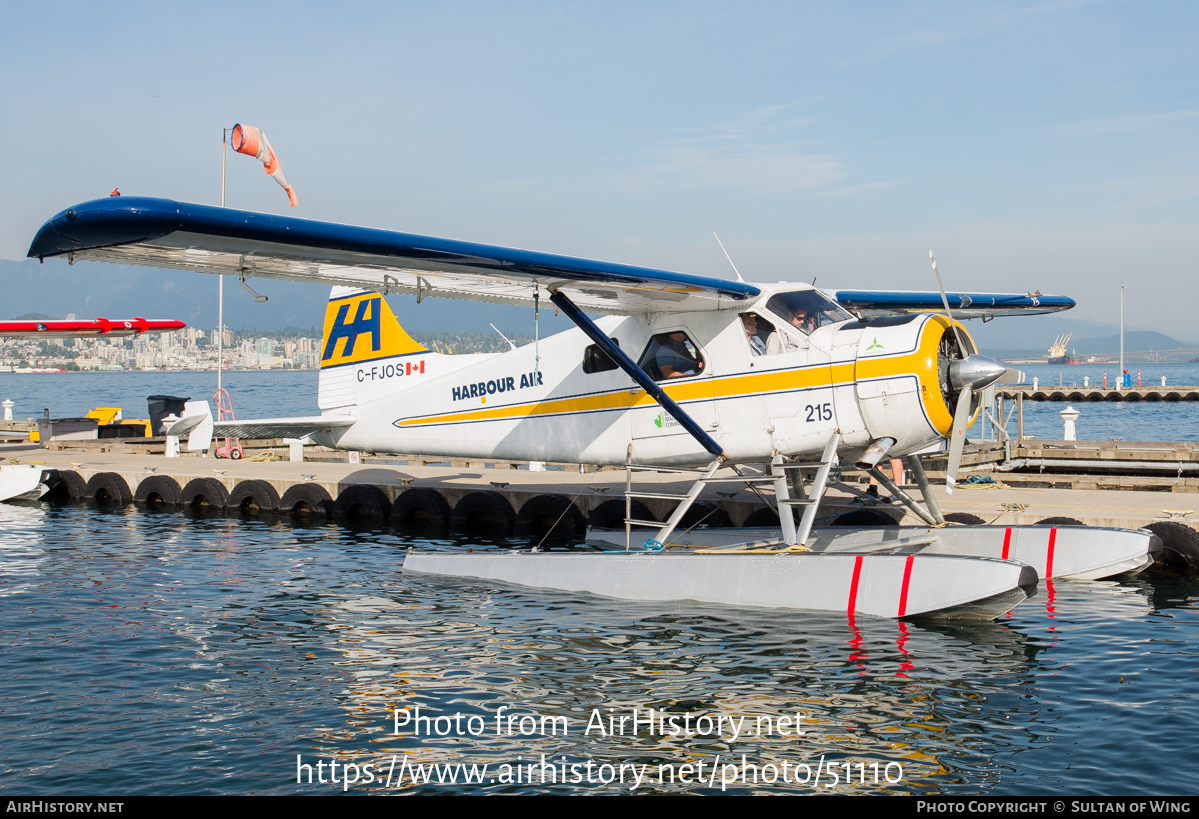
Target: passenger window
{"type": "Point", "coordinates": [807, 310]}
{"type": "Point", "coordinates": [671, 355]}
{"type": "Point", "coordinates": [596, 360]}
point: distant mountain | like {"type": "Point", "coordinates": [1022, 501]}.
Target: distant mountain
{"type": "Point", "coordinates": [91, 289]}
{"type": "Point", "coordinates": [1138, 340]}
{"type": "Point", "coordinates": [1030, 337]}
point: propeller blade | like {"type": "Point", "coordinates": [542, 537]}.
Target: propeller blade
{"type": "Point", "coordinates": [961, 417]}
{"type": "Point", "coordinates": [945, 301]}
{"type": "Point", "coordinates": [1011, 376]}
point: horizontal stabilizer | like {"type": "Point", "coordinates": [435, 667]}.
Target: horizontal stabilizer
{"type": "Point", "coordinates": [281, 427]}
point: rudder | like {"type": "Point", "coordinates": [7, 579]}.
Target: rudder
{"type": "Point", "coordinates": [365, 353]}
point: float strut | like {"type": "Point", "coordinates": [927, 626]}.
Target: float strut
{"type": "Point", "coordinates": [926, 489]}
{"type": "Point", "coordinates": [877, 473]}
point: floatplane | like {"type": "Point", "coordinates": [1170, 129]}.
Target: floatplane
{"type": "Point", "coordinates": [29, 481]}
{"type": "Point", "coordinates": [678, 372]}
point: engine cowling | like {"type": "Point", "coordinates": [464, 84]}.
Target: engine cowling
{"type": "Point", "coordinates": [902, 378]}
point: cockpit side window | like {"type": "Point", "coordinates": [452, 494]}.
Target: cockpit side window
{"type": "Point", "coordinates": [671, 355]}
{"type": "Point", "coordinates": [807, 310]}
{"type": "Point", "coordinates": [757, 331]}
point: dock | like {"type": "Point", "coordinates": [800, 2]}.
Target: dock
{"type": "Point", "coordinates": [1085, 394]}
{"type": "Point", "coordinates": [517, 502]}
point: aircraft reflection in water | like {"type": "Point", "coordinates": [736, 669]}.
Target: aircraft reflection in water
{"type": "Point", "coordinates": [871, 691]}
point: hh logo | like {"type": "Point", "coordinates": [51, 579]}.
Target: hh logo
{"type": "Point", "coordinates": [350, 331]}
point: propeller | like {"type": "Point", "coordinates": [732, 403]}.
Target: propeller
{"type": "Point", "coordinates": [968, 375]}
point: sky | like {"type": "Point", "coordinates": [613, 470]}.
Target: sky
{"type": "Point", "coordinates": [1034, 146]}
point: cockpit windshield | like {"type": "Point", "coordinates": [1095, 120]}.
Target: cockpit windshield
{"type": "Point", "coordinates": [807, 310]}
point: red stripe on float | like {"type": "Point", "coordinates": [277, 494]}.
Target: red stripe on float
{"type": "Point", "coordinates": [1007, 542]}
{"type": "Point", "coordinates": [903, 591]}
{"type": "Point", "coordinates": [1049, 555]}
{"type": "Point", "coordinates": [853, 584]}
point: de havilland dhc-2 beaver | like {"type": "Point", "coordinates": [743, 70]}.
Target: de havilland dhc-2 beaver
{"type": "Point", "coordinates": [677, 372]}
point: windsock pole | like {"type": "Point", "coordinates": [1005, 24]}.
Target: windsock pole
{"type": "Point", "coordinates": [224, 138]}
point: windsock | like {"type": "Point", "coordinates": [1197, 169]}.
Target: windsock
{"type": "Point", "coordinates": [252, 141]}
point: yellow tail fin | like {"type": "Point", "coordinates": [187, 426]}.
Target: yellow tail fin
{"type": "Point", "coordinates": [359, 326]}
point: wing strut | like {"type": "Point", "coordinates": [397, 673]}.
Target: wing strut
{"type": "Point", "coordinates": [634, 372]}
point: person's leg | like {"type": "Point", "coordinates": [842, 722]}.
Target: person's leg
{"type": "Point", "coordinates": [896, 475]}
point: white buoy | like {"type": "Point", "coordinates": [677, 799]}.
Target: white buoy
{"type": "Point", "coordinates": [1069, 416]}
{"type": "Point", "coordinates": [8, 404]}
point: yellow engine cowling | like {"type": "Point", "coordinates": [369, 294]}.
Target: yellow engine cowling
{"type": "Point", "coordinates": [901, 382]}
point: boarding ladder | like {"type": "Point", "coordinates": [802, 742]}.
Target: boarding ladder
{"type": "Point", "coordinates": [792, 538]}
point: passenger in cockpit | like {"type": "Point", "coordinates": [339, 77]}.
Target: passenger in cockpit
{"type": "Point", "coordinates": [750, 322]}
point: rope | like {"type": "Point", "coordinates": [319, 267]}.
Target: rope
{"type": "Point", "coordinates": [565, 509]}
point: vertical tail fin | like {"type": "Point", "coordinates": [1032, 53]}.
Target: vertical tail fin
{"type": "Point", "coordinates": [365, 353]}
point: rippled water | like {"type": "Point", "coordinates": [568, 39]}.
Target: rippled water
{"type": "Point", "coordinates": [166, 653]}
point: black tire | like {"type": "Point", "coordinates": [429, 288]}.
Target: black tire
{"type": "Point", "coordinates": [254, 498]}
{"type": "Point", "coordinates": [705, 515]}
{"type": "Point", "coordinates": [421, 508]}
{"type": "Point", "coordinates": [158, 492]}
{"type": "Point", "coordinates": [67, 487]}
{"type": "Point", "coordinates": [610, 515]}
{"type": "Point", "coordinates": [107, 488]}
{"type": "Point", "coordinates": [764, 518]}
{"type": "Point", "coordinates": [235, 455]}
{"type": "Point", "coordinates": [551, 517]}
{"type": "Point", "coordinates": [361, 501]}
{"type": "Point", "coordinates": [205, 494]}
{"type": "Point", "coordinates": [1058, 522]}
{"type": "Point", "coordinates": [1180, 544]}
{"type": "Point", "coordinates": [865, 517]}
{"type": "Point", "coordinates": [484, 513]}
{"type": "Point", "coordinates": [305, 500]}
{"type": "Point", "coordinates": [964, 517]}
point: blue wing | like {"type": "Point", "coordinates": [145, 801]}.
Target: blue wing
{"type": "Point", "coordinates": [168, 234]}
{"type": "Point", "coordinates": [964, 305]}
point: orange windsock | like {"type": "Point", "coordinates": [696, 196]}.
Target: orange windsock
{"type": "Point", "coordinates": [252, 141]}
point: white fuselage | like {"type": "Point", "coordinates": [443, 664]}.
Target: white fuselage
{"type": "Point", "coordinates": [865, 380]}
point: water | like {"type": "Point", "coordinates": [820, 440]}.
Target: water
{"type": "Point", "coordinates": [255, 393]}
{"type": "Point", "coordinates": [163, 653]}
{"type": "Point", "coordinates": [280, 393]}
{"type": "Point", "coordinates": [1105, 421]}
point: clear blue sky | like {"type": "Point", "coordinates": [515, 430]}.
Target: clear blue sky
{"type": "Point", "coordinates": [1045, 146]}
